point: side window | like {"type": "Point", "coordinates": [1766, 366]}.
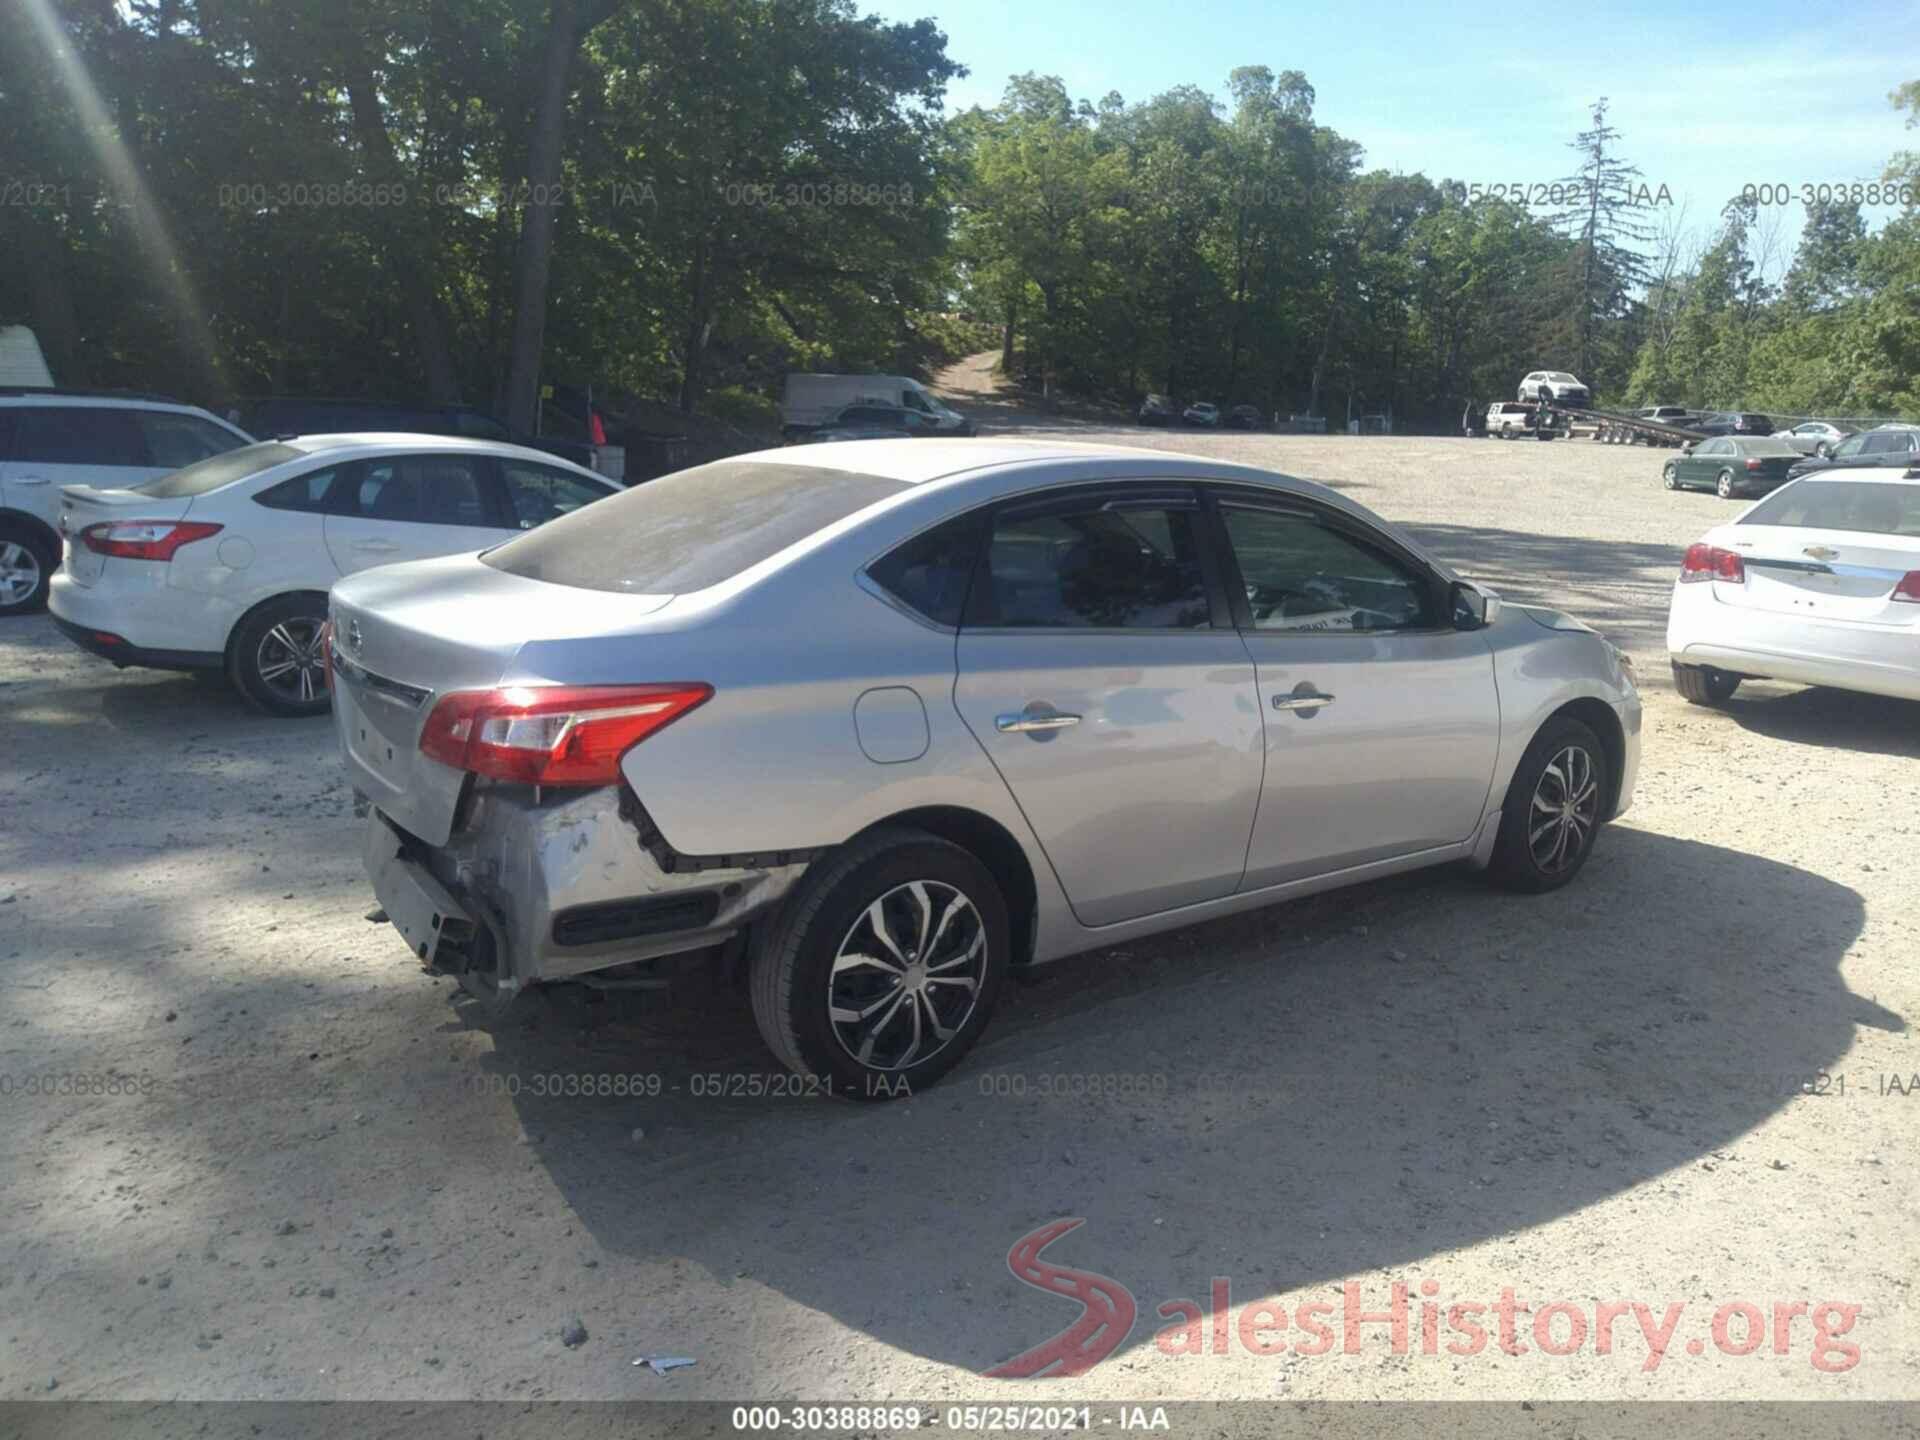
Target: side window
{"type": "Point", "coordinates": [6, 434]}
{"type": "Point", "coordinates": [1882, 442]}
{"type": "Point", "coordinates": [1305, 575]}
{"type": "Point", "coordinates": [537, 494]}
{"type": "Point", "coordinates": [177, 441]}
{"type": "Point", "coordinates": [303, 492]}
{"type": "Point", "coordinates": [78, 435]}
{"type": "Point", "coordinates": [911, 399]}
{"type": "Point", "coordinates": [422, 489]}
{"type": "Point", "coordinates": [930, 573]}
{"type": "Point", "coordinates": [1105, 564]}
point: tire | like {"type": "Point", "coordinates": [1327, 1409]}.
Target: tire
{"type": "Point", "coordinates": [26, 570]}
{"type": "Point", "coordinates": [1702, 684]}
{"type": "Point", "coordinates": [1723, 487]}
{"type": "Point", "coordinates": [1670, 475]}
{"type": "Point", "coordinates": [793, 979]}
{"type": "Point", "coordinates": [281, 632]}
{"type": "Point", "coordinates": [1536, 857]}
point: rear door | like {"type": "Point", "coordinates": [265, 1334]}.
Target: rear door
{"type": "Point", "coordinates": [56, 445]}
{"type": "Point", "coordinates": [414, 507]}
{"type": "Point", "coordinates": [1382, 722]}
{"type": "Point", "coordinates": [1099, 670]}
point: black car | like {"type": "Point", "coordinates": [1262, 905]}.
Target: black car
{"type": "Point", "coordinates": [870, 421]}
{"type": "Point", "coordinates": [1871, 449]}
{"type": "Point", "coordinates": [1733, 422]}
{"type": "Point", "coordinates": [281, 415]}
{"type": "Point", "coordinates": [1243, 417]}
{"type": "Point", "coordinates": [1158, 410]}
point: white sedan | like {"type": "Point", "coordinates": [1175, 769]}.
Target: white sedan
{"type": "Point", "coordinates": [1818, 584]}
{"type": "Point", "coordinates": [225, 565]}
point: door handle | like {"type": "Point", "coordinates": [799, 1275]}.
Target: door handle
{"type": "Point", "coordinates": [1302, 699]}
{"type": "Point", "coordinates": [31, 480]}
{"type": "Point", "coordinates": [1028, 721]}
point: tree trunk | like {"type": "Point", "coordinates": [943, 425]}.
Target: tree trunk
{"type": "Point", "coordinates": [699, 329]}
{"type": "Point", "coordinates": [1007, 332]}
{"type": "Point", "coordinates": [534, 261]}
{"type": "Point", "coordinates": [407, 243]}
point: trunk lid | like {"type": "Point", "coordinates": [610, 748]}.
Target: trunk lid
{"type": "Point", "coordinates": [83, 505]}
{"type": "Point", "coordinates": [1821, 574]}
{"type": "Point", "coordinates": [405, 635]}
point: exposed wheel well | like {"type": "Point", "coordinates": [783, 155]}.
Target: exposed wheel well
{"type": "Point", "coordinates": [989, 841]}
{"type": "Point", "coordinates": [1598, 716]}
{"type": "Point", "coordinates": [253, 610]}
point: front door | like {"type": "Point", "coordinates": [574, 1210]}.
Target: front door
{"type": "Point", "coordinates": [1382, 723]}
{"type": "Point", "coordinates": [1121, 716]}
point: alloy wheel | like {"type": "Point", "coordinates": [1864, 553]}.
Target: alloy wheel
{"type": "Point", "coordinates": [907, 975]}
{"type": "Point", "coordinates": [19, 574]}
{"type": "Point", "coordinates": [289, 660]}
{"type": "Point", "coordinates": [1566, 806]}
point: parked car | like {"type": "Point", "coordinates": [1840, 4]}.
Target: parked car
{"type": "Point", "coordinates": [617, 747]}
{"type": "Point", "coordinates": [811, 401]}
{"type": "Point", "coordinates": [1244, 417]}
{"type": "Point", "coordinates": [1818, 584]}
{"type": "Point", "coordinates": [1814, 437]}
{"type": "Point", "coordinates": [51, 438]}
{"type": "Point", "coordinates": [870, 421]}
{"type": "Point", "coordinates": [1732, 422]}
{"type": "Point", "coordinates": [286, 416]}
{"type": "Point", "coordinates": [1555, 387]}
{"type": "Point", "coordinates": [1158, 410]}
{"type": "Point", "coordinates": [1201, 412]}
{"type": "Point", "coordinates": [1666, 415]}
{"type": "Point", "coordinates": [1507, 420]}
{"type": "Point", "coordinates": [224, 565]}
{"type": "Point", "coordinates": [1890, 447]}
{"type": "Point", "coordinates": [1732, 465]}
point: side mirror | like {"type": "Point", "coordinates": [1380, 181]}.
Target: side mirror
{"type": "Point", "coordinates": [1472, 607]}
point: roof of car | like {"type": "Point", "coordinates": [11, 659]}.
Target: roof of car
{"type": "Point", "coordinates": [358, 443]}
{"type": "Point", "coordinates": [1875, 473]}
{"type": "Point", "coordinates": [133, 399]}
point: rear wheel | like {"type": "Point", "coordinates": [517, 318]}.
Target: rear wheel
{"type": "Point", "coordinates": [1723, 487]}
{"type": "Point", "coordinates": [275, 660]}
{"type": "Point", "coordinates": [26, 569]}
{"type": "Point", "coordinates": [884, 966]}
{"type": "Point", "coordinates": [1702, 684]}
{"type": "Point", "coordinates": [1553, 809]}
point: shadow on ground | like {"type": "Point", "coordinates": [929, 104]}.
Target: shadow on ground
{"type": "Point", "coordinates": [1299, 1102]}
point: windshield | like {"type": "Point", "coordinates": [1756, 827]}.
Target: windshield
{"type": "Point", "coordinates": [689, 530]}
{"type": "Point", "coordinates": [1879, 508]}
{"type": "Point", "coordinates": [217, 470]}
{"type": "Point", "coordinates": [1560, 377]}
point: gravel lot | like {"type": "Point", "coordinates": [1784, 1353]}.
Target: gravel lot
{"type": "Point", "coordinates": [335, 1180]}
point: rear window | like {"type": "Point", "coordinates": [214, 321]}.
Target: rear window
{"type": "Point", "coordinates": [210, 474]}
{"type": "Point", "coordinates": [1766, 447]}
{"type": "Point", "coordinates": [689, 530]}
{"type": "Point", "coordinates": [1859, 505]}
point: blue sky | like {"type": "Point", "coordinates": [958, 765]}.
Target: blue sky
{"type": "Point", "coordinates": [1707, 99]}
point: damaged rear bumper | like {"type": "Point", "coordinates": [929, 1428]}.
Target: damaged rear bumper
{"type": "Point", "coordinates": [533, 890]}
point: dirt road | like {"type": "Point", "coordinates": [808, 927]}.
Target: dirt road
{"type": "Point", "coordinates": [279, 1163]}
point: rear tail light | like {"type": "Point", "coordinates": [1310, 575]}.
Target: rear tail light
{"type": "Point", "coordinates": [1710, 562]}
{"type": "Point", "coordinates": [552, 734]}
{"type": "Point", "coordinates": [1909, 588]}
{"type": "Point", "coordinates": [144, 539]}
{"type": "Point", "coordinates": [1755, 464]}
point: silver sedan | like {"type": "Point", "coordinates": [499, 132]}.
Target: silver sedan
{"type": "Point", "coordinates": [875, 723]}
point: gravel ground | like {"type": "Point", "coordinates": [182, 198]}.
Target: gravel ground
{"type": "Point", "coordinates": [331, 1178]}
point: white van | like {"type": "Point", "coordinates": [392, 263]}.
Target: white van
{"type": "Point", "coordinates": [813, 400]}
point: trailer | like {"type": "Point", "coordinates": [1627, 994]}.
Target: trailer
{"type": "Point", "coordinates": [1613, 428]}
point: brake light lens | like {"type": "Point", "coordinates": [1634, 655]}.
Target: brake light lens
{"type": "Point", "coordinates": [1909, 588]}
{"type": "Point", "coordinates": [1710, 562]}
{"type": "Point", "coordinates": [552, 734]}
{"type": "Point", "coordinates": [144, 539]}
{"type": "Point", "coordinates": [1755, 464]}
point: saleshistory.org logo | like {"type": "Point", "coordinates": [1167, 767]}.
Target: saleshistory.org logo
{"type": "Point", "coordinates": [1266, 1328]}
